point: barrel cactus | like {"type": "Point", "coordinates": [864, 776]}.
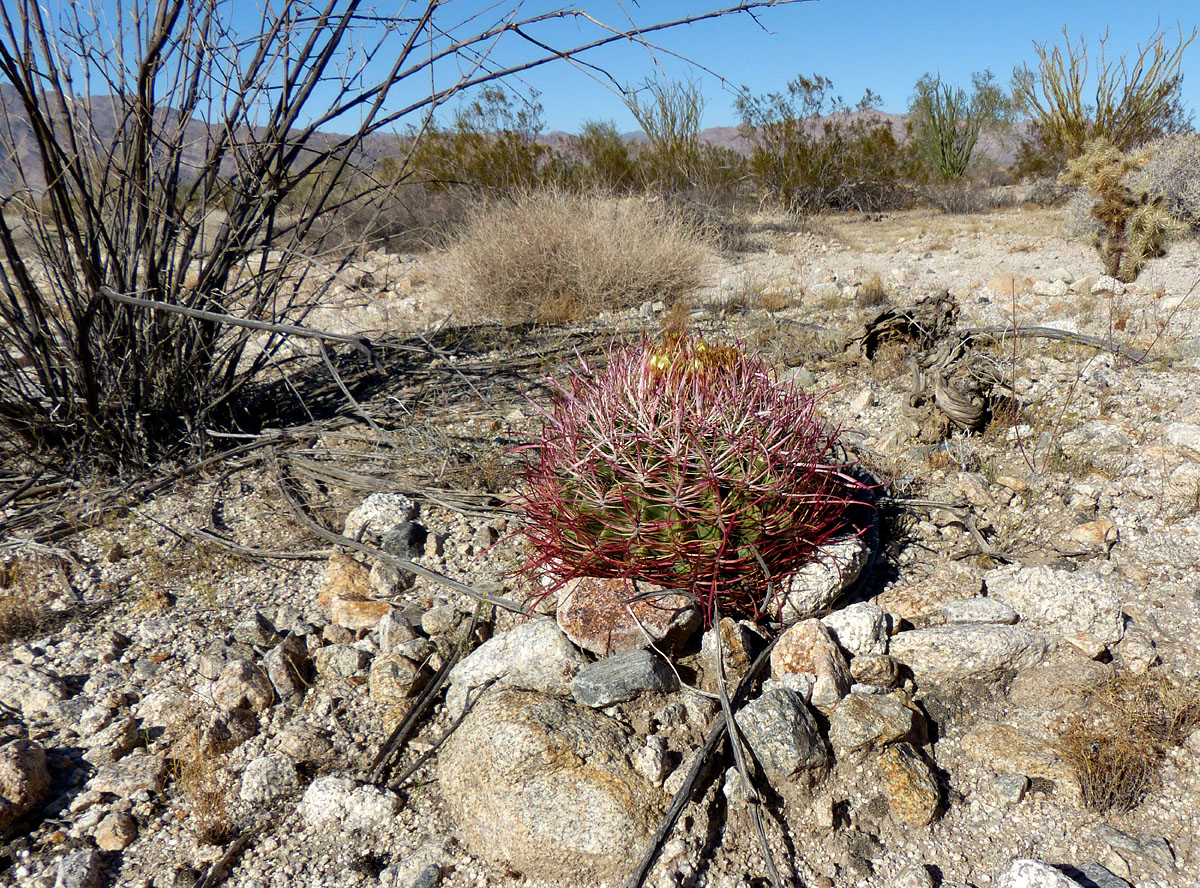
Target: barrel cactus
{"type": "Point", "coordinates": [685, 464]}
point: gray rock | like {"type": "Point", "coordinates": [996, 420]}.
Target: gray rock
{"type": "Point", "coordinates": [306, 743]}
{"type": "Point", "coordinates": [783, 735]}
{"type": "Point", "coordinates": [116, 831]}
{"type": "Point", "coordinates": [915, 876]}
{"type": "Point", "coordinates": [113, 742]}
{"type": "Point", "coordinates": [440, 620]}
{"type": "Point", "coordinates": [866, 721]}
{"type": "Point", "coordinates": [395, 678]}
{"type": "Point", "coordinates": [225, 729]}
{"type": "Point", "coordinates": [243, 684]}
{"type": "Point", "coordinates": [1137, 650]}
{"type": "Point", "coordinates": [978, 611]}
{"type": "Point", "coordinates": [1033, 874]}
{"type": "Point", "coordinates": [405, 540]}
{"type": "Point", "coordinates": [256, 630]}
{"type": "Point", "coordinates": [814, 588]}
{"type": "Point", "coordinates": [394, 630]}
{"type": "Point", "coordinates": [24, 781]}
{"type": "Point", "coordinates": [136, 772]}
{"type": "Point", "coordinates": [341, 659]}
{"type": "Point", "coordinates": [1011, 788]}
{"type": "Point", "coordinates": [535, 656]}
{"type": "Point", "coordinates": [336, 800]}
{"type": "Point", "coordinates": [78, 869]}
{"type": "Point", "coordinates": [1149, 853]}
{"type": "Point", "coordinates": [877, 671]}
{"type": "Point", "coordinates": [544, 786]}
{"type": "Point", "coordinates": [267, 778]}
{"type": "Point", "coordinates": [949, 654]}
{"type": "Point", "coordinates": [1183, 434]}
{"type": "Point", "coordinates": [379, 513]}
{"type": "Point", "coordinates": [288, 668]}
{"type": "Point", "coordinates": [30, 690]}
{"type": "Point", "coordinates": [1062, 602]}
{"type": "Point", "coordinates": [620, 678]}
{"type": "Point", "coordinates": [859, 629]}
{"type": "Point", "coordinates": [823, 290]}
{"type": "Point", "coordinates": [1093, 875]}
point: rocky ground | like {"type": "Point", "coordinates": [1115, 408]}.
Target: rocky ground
{"type": "Point", "coordinates": [1005, 695]}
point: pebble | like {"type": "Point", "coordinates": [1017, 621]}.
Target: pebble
{"type": "Point", "coordinates": [620, 678]}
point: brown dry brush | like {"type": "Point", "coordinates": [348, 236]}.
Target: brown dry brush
{"type": "Point", "coordinates": [1116, 743]}
{"type": "Point", "coordinates": [190, 166]}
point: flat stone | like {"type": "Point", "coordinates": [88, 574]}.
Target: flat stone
{"type": "Point", "coordinates": [1062, 602]}
{"type": "Point", "coordinates": [950, 654]}
{"type": "Point", "coordinates": [30, 690]}
{"type": "Point", "coordinates": [24, 781]}
{"type": "Point", "coordinates": [136, 772]}
{"type": "Point", "coordinates": [598, 616]}
{"type": "Point", "coordinates": [1053, 289]}
{"type": "Point", "coordinates": [1093, 875]}
{"type": "Point", "coordinates": [546, 787]}
{"type": "Point", "coordinates": [814, 588]}
{"type": "Point", "coordinates": [784, 736]}
{"type": "Point", "coordinates": [910, 786]}
{"type": "Point", "coordinates": [866, 721]}
{"type": "Point", "coordinates": [1017, 750]}
{"type": "Point", "coordinates": [1096, 534]}
{"type": "Point", "coordinates": [859, 629]}
{"type": "Point", "coordinates": [1033, 874]}
{"type": "Point", "coordinates": [355, 614]}
{"type": "Point", "coordinates": [806, 646]}
{"type": "Point", "coordinates": [621, 678]}
{"type": "Point", "coordinates": [267, 778]}
{"type": "Point", "coordinates": [344, 578]}
{"type": "Point", "coordinates": [535, 656]}
{"type": "Point", "coordinates": [921, 601]}
{"type": "Point", "coordinates": [115, 832]}
{"type": "Point", "coordinates": [1147, 853]}
{"type": "Point", "coordinates": [978, 611]}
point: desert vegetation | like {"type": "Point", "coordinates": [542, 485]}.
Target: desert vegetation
{"type": "Point", "coordinates": [382, 475]}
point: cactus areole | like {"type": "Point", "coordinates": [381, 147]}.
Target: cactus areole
{"type": "Point", "coordinates": [689, 465]}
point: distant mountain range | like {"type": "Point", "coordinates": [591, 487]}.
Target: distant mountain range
{"type": "Point", "coordinates": [18, 147]}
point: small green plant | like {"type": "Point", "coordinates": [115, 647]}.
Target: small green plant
{"type": "Point", "coordinates": [688, 465]}
{"type": "Point", "coordinates": [1134, 225]}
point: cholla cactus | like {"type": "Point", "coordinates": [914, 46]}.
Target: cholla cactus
{"type": "Point", "coordinates": [688, 465]}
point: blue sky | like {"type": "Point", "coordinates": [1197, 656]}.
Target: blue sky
{"type": "Point", "coordinates": [881, 44]}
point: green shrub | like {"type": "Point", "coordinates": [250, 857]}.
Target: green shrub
{"type": "Point", "coordinates": [556, 256]}
{"type": "Point", "coordinates": [1133, 103]}
{"type": "Point", "coordinates": [945, 122]}
{"type": "Point", "coordinates": [810, 151]}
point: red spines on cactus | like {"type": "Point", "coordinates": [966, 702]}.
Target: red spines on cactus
{"type": "Point", "coordinates": [688, 465]}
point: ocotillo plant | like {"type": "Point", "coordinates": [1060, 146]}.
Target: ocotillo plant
{"type": "Point", "coordinates": [685, 464]}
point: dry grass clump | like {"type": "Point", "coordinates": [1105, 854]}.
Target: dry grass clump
{"type": "Point", "coordinates": [198, 771]}
{"type": "Point", "coordinates": [22, 614]}
{"type": "Point", "coordinates": [554, 257]}
{"type": "Point", "coordinates": [1116, 743]}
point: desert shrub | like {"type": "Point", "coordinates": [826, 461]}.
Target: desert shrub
{"type": "Point", "coordinates": [603, 160]}
{"type": "Point", "coordinates": [669, 113]}
{"type": "Point", "coordinates": [688, 465]}
{"type": "Point", "coordinates": [945, 122]}
{"type": "Point", "coordinates": [1116, 743]}
{"type": "Point", "coordinates": [1133, 224]}
{"type": "Point", "coordinates": [810, 151]}
{"type": "Point", "coordinates": [491, 147]}
{"type": "Point", "coordinates": [1133, 103]}
{"type": "Point", "coordinates": [556, 256]}
{"type": "Point", "coordinates": [1174, 172]}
